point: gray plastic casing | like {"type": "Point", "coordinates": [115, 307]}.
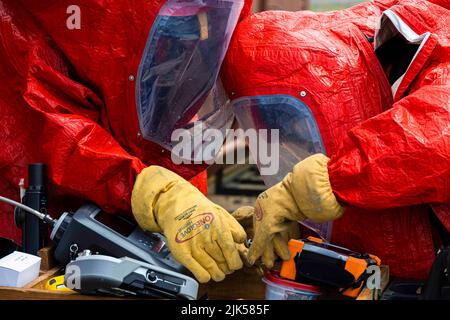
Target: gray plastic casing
{"type": "Point", "coordinates": [103, 273]}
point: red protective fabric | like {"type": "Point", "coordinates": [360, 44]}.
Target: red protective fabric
{"type": "Point", "coordinates": [390, 156]}
{"type": "Point", "coordinates": [66, 100]}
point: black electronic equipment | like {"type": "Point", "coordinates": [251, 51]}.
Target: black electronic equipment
{"type": "Point", "coordinates": [34, 230]}
{"type": "Point", "coordinates": [89, 228]}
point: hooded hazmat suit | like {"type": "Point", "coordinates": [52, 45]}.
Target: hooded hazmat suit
{"type": "Point", "coordinates": [68, 96]}
{"type": "Point", "coordinates": [382, 115]}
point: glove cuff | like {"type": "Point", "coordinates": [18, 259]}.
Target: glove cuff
{"type": "Point", "coordinates": [311, 182]}
{"type": "Point", "coordinates": [150, 184]}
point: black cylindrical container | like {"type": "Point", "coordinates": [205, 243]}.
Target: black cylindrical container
{"type": "Point", "coordinates": [35, 231]}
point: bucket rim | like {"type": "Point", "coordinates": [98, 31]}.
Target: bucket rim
{"type": "Point", "coordinates": [274, 277]}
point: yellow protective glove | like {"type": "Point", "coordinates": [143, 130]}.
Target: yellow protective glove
{"type": "Point", "coordinates": [244, 215]}
{"type": "Point", "coordinates": [303, 194]}
{"type": "Point", "coordinates": [278, 245]}
{"type": "Point", "coordinates": [201, 235]}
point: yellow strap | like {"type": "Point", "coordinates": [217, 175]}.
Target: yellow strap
{"type": "Point", "coordinates": [203, 21]}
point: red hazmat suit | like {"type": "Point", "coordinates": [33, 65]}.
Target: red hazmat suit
{"type": "Point", "coordinates": [389, 143]}
{"type": "Point", "coordinates": [67, 99]}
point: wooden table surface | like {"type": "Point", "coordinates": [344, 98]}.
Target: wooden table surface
{"type": "Point", "coordinates": [245, 284]}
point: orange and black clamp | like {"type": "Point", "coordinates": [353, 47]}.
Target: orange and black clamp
{"type": "Point", "coordinates": [323, 263]}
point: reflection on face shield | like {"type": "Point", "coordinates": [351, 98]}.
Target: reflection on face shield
{"type": "Point", "coordinates": [299, 135]}
{"type": "Point", "coordinates": [181, 67]}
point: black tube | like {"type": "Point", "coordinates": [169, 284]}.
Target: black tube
{"type": "Point", "coordinates": [36, 176]}
{"type": "Point", "coordinates": [35, 231]}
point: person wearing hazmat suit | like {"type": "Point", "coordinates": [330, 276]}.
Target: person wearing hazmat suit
{"type": "Point", "coordinates": [94, 91]}
{"type": "Point", "coordinates": [370, 86]}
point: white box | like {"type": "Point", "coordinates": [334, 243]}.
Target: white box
{"type": "Point", "coordinates": [18, 269]}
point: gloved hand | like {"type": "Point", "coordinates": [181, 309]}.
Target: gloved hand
{"type": "Point", "coordinates": [278, 245]}
{"type": "Point", "coordinates": [244, 216]}
{"type": "Point", "coordinates": [303, 194]}
{"type": "Point", "coordinates": [201, 235]}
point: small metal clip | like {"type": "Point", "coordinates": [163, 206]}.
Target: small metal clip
{"type": "Point", "coordinates": [73, 251]}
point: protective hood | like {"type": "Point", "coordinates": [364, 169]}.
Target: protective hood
{"type": "Point", "coordinates": [401, 51]}
{"type": "Point", "coordinates": [69, 72]}
{"type": "Point", "coordinates": [113, 53]}
{"type": "Point", "coordinates": [325, 69]}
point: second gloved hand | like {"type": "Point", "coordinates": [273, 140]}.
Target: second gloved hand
{"type": "Point", "coordinates": [278, 244]}
{"type": "Point", "coordinates": [201, 235]}
{"type": "Point", "coordinates": [305, 193]}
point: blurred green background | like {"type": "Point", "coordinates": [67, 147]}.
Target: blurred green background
{"type": "Point", "coordinates": [327, 5]}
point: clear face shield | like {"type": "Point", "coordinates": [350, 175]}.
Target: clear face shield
{"type": "Point", "coordinates": [177, 80]}
{"type": "Point", "coordinates": [298, 135]}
